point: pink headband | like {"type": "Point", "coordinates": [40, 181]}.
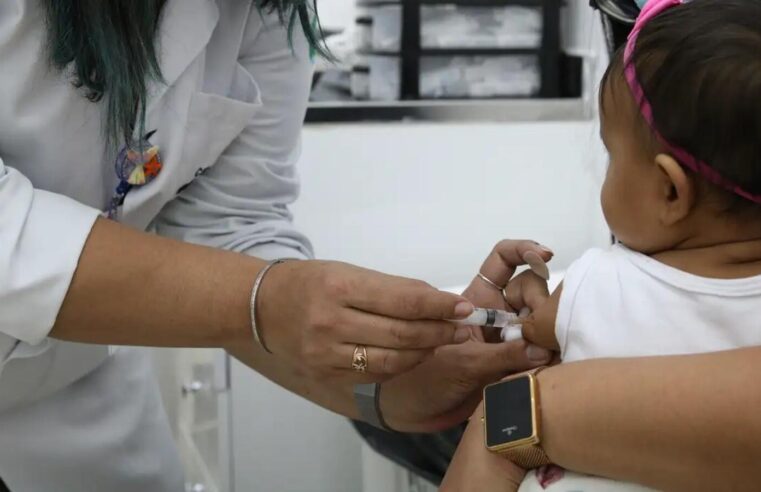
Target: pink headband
{"type": "Point", "coordinates": [651, 9]}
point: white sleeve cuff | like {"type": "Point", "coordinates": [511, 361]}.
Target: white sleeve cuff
{"type": "Point", "coordinates": [275, 251]}
{"type": "Point", "coordinates": [42, 235]}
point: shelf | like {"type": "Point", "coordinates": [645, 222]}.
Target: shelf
{"type": "Point", "coordinates": [487, 110]}
{"type": "Point", "coordinates": [411, 53]}
{"type": "Point", "coordinates": [462, 3]}
{"type": "Point", "coordinates": [457, 52]}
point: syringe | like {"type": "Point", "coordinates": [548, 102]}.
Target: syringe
{"type": "Point", "coordinates": [510, 323]}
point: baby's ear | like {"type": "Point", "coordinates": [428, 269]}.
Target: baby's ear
{"type": "Point", "coordinates": [677, 190]}
{"type": "Point", "coordinates": [539, 326]}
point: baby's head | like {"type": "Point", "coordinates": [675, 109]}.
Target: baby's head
{"type": "Point", "coordinates": [690, 174]}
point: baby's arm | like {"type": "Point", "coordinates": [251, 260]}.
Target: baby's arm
{"type": "Point", "coordinates": [539, 327]}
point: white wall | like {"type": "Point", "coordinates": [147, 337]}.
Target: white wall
{"type": "Point", "coordinates": [429, 200]}
{"type": "Point", "coordinates": [282, 443]}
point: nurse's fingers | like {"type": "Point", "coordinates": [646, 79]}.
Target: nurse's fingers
{"type": "Point", "coordinates": [378, 361]}
{"type": "Point", "coordinates": [527, 290]}
{"type": "Point", "coordinates": [358, 327]}
{"type": "Point", "coordinates": [484, 295]}
{"type": "Point", "coordinates": [508, 254]}
{"type": "Point", "coordinates": [401, 298]}
{"type": "Point", "coordinates": [487, 362]}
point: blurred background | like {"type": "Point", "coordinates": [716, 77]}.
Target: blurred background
{"type": "Point", "coordinates": [441, 127]}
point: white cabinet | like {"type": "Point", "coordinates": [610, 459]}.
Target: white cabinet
{"type": "Point", "coordinates": [196, 392]}
{"type": "Point", "coordinates": [203, 420]}
{"type": "Point", "coordinates": [283, 443]}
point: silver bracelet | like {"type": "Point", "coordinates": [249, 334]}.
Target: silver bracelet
{"type": "Point", "coordinates": [254, 295]}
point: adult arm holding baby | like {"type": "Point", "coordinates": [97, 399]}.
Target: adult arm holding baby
{"type": "Point", "coordinates": [673, 423]}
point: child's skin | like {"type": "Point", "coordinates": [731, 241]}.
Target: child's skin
{"type": "Point", "coordinates": [652, 205]}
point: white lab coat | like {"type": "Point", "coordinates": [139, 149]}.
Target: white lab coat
{"type": "Point", "coordinates": [82, 418]}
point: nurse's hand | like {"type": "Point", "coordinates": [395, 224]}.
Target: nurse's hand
{"type": "Point", "coordinates": [316, 313]}
{"type": "Point", "coordinates": [527, 290]}
{"type": "Point", "coordinates": [444, 390]}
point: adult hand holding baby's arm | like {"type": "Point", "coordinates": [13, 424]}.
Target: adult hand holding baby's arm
{"type": "Point", "coordinates": [445, 389]}
{"type": "Point", "coordinates": [525, 290]}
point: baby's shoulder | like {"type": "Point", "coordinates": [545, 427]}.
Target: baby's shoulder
{"type": "Point", "coordinates": [598, 265]}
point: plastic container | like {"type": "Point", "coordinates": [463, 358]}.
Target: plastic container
{"type": "Point", "coordinates": [377, 78]}
{"type": "Point", "coordinates": [456, 26]}
{"type": "Point", "coordinates": [360, 82]}
{"type": "Point", "coordinates": [379, 28]}
{"type": "Point", "coordinates": [479, 76]}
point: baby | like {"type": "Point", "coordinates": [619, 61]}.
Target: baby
{"type": "Point", "coordinates": [681, 119]}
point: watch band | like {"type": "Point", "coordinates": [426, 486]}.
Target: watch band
{"type": "Point", "coordinates": [527, 458]}
{"type": "Point", "coordinates": [535, 371]}
{"type": "Point", "coordinates": [367, 397]}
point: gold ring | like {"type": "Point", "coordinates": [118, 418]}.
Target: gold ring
{"type": "Point", "coordinates": [359, 359]}
{"type": "Point", "coordinates": [489, 281]}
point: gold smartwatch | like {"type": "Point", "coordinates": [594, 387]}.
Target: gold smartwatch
{"type": "Point", "coordinates": [512, 420]}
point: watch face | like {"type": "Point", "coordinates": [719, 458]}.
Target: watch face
{"type": "Point", "coordinates": [508, 412]}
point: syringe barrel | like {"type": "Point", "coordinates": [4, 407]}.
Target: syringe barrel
{"type": "Point", "coordinates": [490, 318]}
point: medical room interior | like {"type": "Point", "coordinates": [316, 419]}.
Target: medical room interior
{"type": "Point", "coordinates": [415, 161]}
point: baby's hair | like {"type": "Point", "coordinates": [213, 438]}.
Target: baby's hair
{"type": "Point", "coordinates": [699, 65]}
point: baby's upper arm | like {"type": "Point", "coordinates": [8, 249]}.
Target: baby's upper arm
{"type": "Point", "coordinates": [539, 327]}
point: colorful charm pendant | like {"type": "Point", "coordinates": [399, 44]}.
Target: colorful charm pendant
{"type": "Point", "coordinates": [136, 165]}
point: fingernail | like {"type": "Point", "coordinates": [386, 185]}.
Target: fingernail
{"type": "Point", "coordinates": [524, 312]}
{"type": "Point", "coordinates": [537, 354]}
{"type": "Point", "coordinates": [463, 309]}
{"type": "Point", "coordinates": [545, 249]}
{"type": "Point", "coordinates": [537, 264]}
{"type": "Point", "coordinates": [462, 334]}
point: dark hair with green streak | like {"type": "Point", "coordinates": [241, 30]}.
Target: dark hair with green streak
{"type": "Point", "coordinates": [109, 49]}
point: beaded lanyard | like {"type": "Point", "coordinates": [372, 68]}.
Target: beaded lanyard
{"type": "Point", "coordinates": [137, 164]}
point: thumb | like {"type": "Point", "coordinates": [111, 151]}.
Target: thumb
{"type": "Point", "coordinates": [492, 361]}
